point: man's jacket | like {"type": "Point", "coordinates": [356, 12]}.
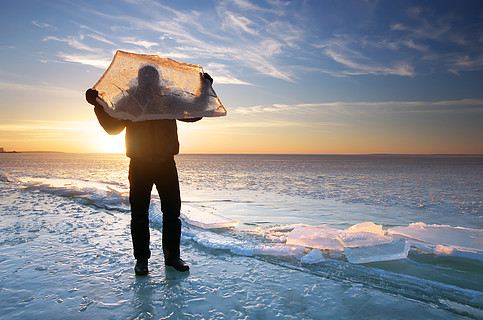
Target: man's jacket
{"type": "Point", "coordinates": [144, 139]}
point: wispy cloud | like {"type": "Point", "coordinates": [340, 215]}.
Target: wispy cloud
{"type": "Point", "coordinates": [249, 35]}
{"type": "Point", "coordinates": [43, 25]}
{"type": "Point", "coordinates": [342, 50]}
{"type": "Point", "coordinates": [75, 42]}
{"type": "Point", "coordinates": [239, 24]}
{"type": "Point", "coordinates": [38, 88]}
{"type": "Point", "coordinates": [94, 60]}
{"type": "Point", "coordinates": [140, 43]}
{"type": "Point", "coordinates": [223, 73]}
{"type": "Point", "coordinates": [101, 39]}
{"type": "Point", "coordinates": [274, 38]}
{"type": "Point", "coordinates": [464, 105]}
{"type": "Point", "coordinates": [465, 63]}
{"type": "Point", "coordinates": [53, 126]}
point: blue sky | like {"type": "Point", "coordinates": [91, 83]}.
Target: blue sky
{"type": "Point", "coordinates": [294, 76]}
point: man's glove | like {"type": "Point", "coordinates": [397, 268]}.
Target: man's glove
{"type": "Point", "coordinates": [91, 96]}
{"type": "Point", "coordinates": [208, 77]}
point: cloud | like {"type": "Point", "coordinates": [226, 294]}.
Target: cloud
{"type": "Point", "coordinates": [101, 39]}
{"type": "Point", "coordinates": [464, 105]}
{"type": "Point", "coordinates": [250, 36]}
{"type": "Point", "coordinates": [342, 50]}
{"type": "Point", "coordinates": [59, 127]}
{"type": "Point", "coordinates": [73, 41]}
{"type": "Point", "coordinates": [194, 34]}
{"type": "Point", "coordinates": [139, 43]}
{"type": "Point", "coordinates": [274, 38]}
{"type": "Point", "coordinates": [43, 25]}
{"type": "Point", "coordinates": [238, 23]}
{"type": "Point", "coordinates": [426, 24]}
{"type": "Point", "coordinates": [94, 60]}
{"type": "Point", "coordinates": [38, 88]}
{"type": "Point", "coordinates": [447, 44]}
{"type": "Point", "coordinates": [465, 63]}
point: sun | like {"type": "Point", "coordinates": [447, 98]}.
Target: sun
{"type": "Point", "coordinates": [111, 144]}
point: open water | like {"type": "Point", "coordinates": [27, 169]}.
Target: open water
{"type": "Point", "coordinates": [65, 249]}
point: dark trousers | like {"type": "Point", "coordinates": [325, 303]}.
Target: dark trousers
{"type": "Point", "coordinates": [163, 174]}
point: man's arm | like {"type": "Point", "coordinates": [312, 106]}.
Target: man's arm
{"type": "Point", "coordinates": [191, 119]}
{"type": "Point", "coordinates": [210, 79]}
{"type": "Point", "coordinates": [111, 125]}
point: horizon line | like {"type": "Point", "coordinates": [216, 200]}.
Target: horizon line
{"type": "Point", "coordinates": [294, 154]}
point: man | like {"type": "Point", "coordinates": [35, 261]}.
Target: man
{"type": "Point", "coordinates": [151, 146]}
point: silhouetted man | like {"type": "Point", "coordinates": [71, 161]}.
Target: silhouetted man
{"type": "Point", "coordinates": [151, 146]}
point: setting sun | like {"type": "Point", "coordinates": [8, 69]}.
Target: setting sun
{"type": "Point", "coordinates": [111, 144]}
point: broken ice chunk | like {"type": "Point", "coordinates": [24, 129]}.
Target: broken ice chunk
{"type": "Point", "coordinates": [314, 256]}
{"type": "Point", "coordinates": [321, 237]}
{"type": "Point", "coordinates": [370, 227]}
{"type": "Point", "coordinates": [395, 250]}
{"type": "Point", "coordinates": [457, 237]}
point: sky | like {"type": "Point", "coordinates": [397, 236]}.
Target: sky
{"type": "Point", "coordinates": [296, 77]}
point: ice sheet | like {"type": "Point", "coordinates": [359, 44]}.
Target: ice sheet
{"type": "Point", "coordinates": [284, 240]}
{"type": "Point", "coordinates": [206, 219]}
{"type": "Point", "coordinates": [361, 243]}
{"type": "Point", "coordinates": [398, 249]}
{"type": "Point", "coordinates": [99, 194]}
{"type": "Point", "coordinates": [452, 237]}
{"type": "Point", "coordinates": [323, 237]}
{"type": "Point", "coordinates": [320, 237]}
{"type": "Point", "coordinates": [141, 87]}
{"type": "Point", "coordinates": [241, 246]}
{"type": "Point", "coordinates": [314, 256]}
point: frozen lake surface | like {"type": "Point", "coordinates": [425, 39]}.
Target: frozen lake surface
{"type": "Point", "coordinates": [65, 248]}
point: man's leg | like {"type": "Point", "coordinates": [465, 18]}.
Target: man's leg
{"type": "Point", "coordinates": [168, 190]}
{"type": "Point", "coordinates": [141, 184]}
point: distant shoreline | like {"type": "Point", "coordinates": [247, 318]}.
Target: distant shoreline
{"type": "Point", "coordinates": [32, 152]}
{"type": "Point", "coordinates": [282, 154]}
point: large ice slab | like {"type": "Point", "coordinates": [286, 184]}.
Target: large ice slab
{"type": "Point", "coordinates": [141, 87]}
{"type": "Point", "coordinates": [456, 237]}
{"type": "Point", "coordinates": [395, 250]}
{"type": "Point", "coordinates": [323, 237]}
{"type": "Point", "coordinates": [206, 219]}
{"type": "Point", "coordinates": [361, 243]}
{"type": "Point", "coordinates": [319, 237]}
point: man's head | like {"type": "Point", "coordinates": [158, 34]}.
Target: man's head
{"type": "Point", "coordinates": [148, 77]}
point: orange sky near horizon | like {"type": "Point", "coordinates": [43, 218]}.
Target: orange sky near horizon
{"type": "Point", "coordinates": [225, 135]}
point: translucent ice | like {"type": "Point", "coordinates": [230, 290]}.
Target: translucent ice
{"type": "Point", "coordinates": [370, 227]}
{"type": "Point", "coordinates": [314, 256]}
{"type": "Point", "coordinates": [321, 237]}
{"type": "Point", "coordinates": [140, 87]}
{"type": "Point", "coordinates": [241, 246]}
{"type": "Point", "coordinates": [206, 219]}
{"type": "Point", "coordinates": [364, 234]}
{"type": "Point", "coordinates": [455, 237]}
{"type": "Point", "coordinates": [395, 250]}
{"type": "Point", "coordinates": [361, 243]}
